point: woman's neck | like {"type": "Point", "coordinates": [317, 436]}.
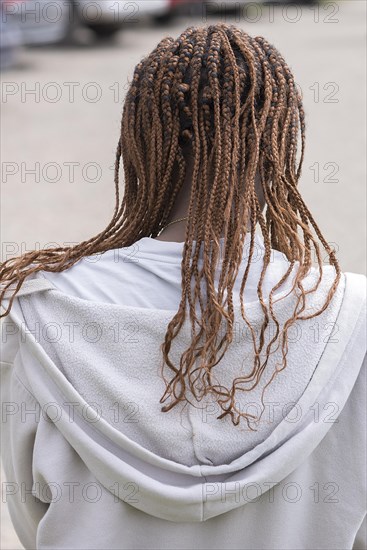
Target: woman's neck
{"type": "Point", "coordinates": [174, 233]}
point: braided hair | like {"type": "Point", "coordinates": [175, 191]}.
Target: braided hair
{"type": "Point", "coordinates": [231, 101]}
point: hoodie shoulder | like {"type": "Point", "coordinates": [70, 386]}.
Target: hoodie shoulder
{"type": "Point", "coordinates": [357, 283]}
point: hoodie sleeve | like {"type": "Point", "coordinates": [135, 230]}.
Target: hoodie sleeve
{"type": "Point", "coordinates": [360, 542]}
{"type": "Point", "coordinates": [19, 421]}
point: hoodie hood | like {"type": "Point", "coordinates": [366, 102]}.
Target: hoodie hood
{"type": "Point", "coordinates": [99, 366]}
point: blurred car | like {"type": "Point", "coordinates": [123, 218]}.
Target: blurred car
{"type": "Point", "coordinates": [174, 7]}
{"type": "Point", "coordinates": [40, 21]}
{"type": "Point", "coordinates": [112, 15]}
{"type": "Point", "coordinates": [52, 21]}
{"type": "Point", "coordinates": [11, 38]}
{"type": "Point", "coordinates": [106, 17]}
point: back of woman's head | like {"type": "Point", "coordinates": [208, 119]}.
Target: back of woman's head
{"type": "Point", "coordinates": [224, 106]}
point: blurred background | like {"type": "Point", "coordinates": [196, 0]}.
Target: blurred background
{"type": "Point", "coordinates": [65, 68]}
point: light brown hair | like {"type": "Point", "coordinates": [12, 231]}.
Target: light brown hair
{"type": "Point", "coordinates": [232, 102]}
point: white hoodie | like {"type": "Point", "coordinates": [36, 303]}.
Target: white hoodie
{"type": "Point", "coordinates": [91, 462]}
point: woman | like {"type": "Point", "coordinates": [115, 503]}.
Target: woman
{"type": "Point", "coordinates": [193, 376]}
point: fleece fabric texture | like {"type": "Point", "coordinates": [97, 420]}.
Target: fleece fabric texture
{"type": "Point", "coordinates": [83, 429]}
